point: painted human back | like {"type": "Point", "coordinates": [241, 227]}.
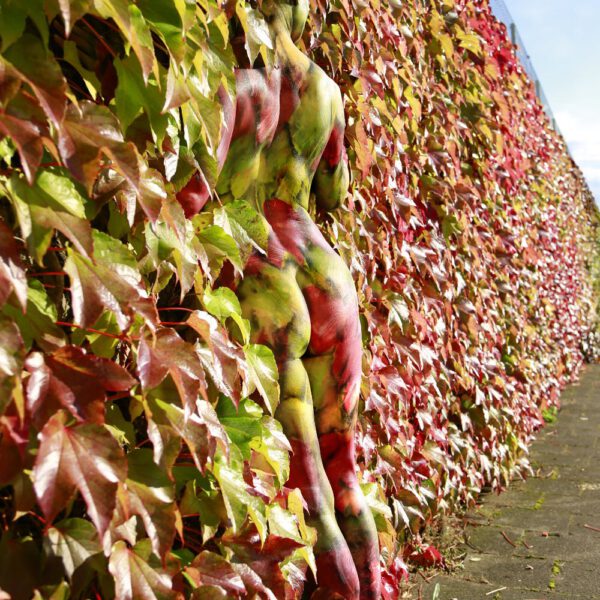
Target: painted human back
{"type": "Point", "coordinates": [289, 124]}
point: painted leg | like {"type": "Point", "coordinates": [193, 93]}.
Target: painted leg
{"type": "Point", "coordinates": [334, 367]}
{"type": "Point", "coordinates": [273, 302]}
{"type": "Point", "coordinates": [333, 363]}
{"type": "Point", "coordinates": [337, 452]}
{"type": "Point", "coordinates": [336, 572]}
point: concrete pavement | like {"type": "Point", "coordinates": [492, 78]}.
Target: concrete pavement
{"type": "Point", "coordinates": [540, 540]}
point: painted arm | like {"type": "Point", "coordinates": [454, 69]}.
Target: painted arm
{"type": "Point", "coordinates": [331, 180]}
{"type": "Point", "coordinates": [196, 192]}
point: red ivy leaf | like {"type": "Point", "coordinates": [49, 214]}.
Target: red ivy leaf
{"type": "Point", "coordinates": [85, 458]}
{"type": "Point", "coordinates": [201, 431]}
{"type": "Point", "coordinates": [12, 275]}
{"type": "Point", "coordinates": [221, 357]}
{"type": "Point", "coordinates": [209, 568]}
{"type": "Point", "coordinates": [28, 60]}
{"type": "Point", "coordinates": [89, 132]}
{"type": "Point", "coordinates": [75, 380]}
{"type": "Point", "coordinates": [426, 557]}
{"type": "Point", "coordinates": [12, 354]}
{"type": "Point", "coordinates": [27, 136]}
{"type": "Point", "coordinates": [253, 582]}
{"type": "Point", "coordinates": [263, 559]}
{"type": "Point", "coordinates": [13, 443]}
{"type": "Point", "coordinates": [168, 354]}
{"type": "Point", "coordinates": [111, 282]}
{"type": "Point", "coordinates": [151, 495]}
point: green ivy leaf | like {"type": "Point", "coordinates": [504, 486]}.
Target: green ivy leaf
{"type": "Point", "coordinates": [224, 304]}
{"type": "Point", "coordinates": [121, 429]}
{"type": "Point", "coordinates": [72, 10]}
{"type": "Point", "coordinates": [219, 246]}
{"type": "Point", "coordinates": [201, 431]}
{"type": "Point", "coordinates": [166, 19]}
{"type": "Point", "coordinates": [21, 563]}
{"type": "Point", "coordinates": [171, 238]}
{"type": "Point", "coordinates": [38, 322]}
{"type": "Point", "coordinates": [111, 281]}
{"type": "Point", "coordinates": [263, 374]}
{"type": "Point", "coordinates": [258, 36]}
{"type": "Point", "coordinates": [133, 95]}
{"type": "Point", "coordinates": [74, 540]}
{"type": "Point", "coordinates": [245, 225]}
{"type": "Point", "coordinates": [274, 446]}
{"type": "Point", "coordinates": [242, 424]}
{"type": "Point", "coordinates": [60, 592]}
{"type": "Point", "coordinates": [13, 15]}
{"type": "Point", "coordinates": [151, 495]}
{"type": "Point", "coordinates": [99, 343]}
{"type": "Point", "coordinates": [208, 503]}
{"type": "Point", "coordinates": [136, 32]}
{"type": "Point", "coordinates": [51, 203]}
{"type": "Point", "coordinates": [238, 502]}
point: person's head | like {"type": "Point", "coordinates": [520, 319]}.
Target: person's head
{"type": "Point", "coordinates": [293, 14]}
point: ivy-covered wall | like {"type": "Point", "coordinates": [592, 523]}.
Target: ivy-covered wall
{"type": "Point", "coordinates": [138, 452]}
{"type": "Point", "coordinates": [475, 272]}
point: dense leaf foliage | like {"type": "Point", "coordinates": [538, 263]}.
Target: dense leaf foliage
{"type": "Point", "coordinates": [139, 457]}
{"type": "Point", "coordinates": [475, 271]}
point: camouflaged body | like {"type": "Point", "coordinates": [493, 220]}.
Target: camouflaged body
{"type": "Point", "coordinates": [286, 144]}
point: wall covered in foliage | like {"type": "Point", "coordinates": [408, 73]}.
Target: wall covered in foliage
{"type": "Point", "coordinates": [136, 428]}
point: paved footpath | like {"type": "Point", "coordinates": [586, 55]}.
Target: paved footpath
{"type": "Point", "coordinates": [540, 540]}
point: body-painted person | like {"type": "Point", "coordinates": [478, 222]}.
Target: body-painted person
{"type": "Point", "coordinates": [288, 142]}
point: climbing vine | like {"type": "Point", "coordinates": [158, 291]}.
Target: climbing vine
{"type": "Point", "coordinates": [137, 435]}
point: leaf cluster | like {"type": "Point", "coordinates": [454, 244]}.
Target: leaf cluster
{"type": "Point", "coordinates": [139, 453]}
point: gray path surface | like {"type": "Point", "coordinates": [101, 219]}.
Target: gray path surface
{"type": "Point", "coordinates": [551, 519]}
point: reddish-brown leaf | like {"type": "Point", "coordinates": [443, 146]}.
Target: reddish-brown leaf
{"type": "Point", "coordinates": [13, 445]}
{"type": "Point", "coordinates": [12, 355]}
{"type": "Point", "coordinates": [73, 379]}
{"type": "Point", "coordinates": [263, 559]}
{"type": "Point", "coordinates": [167, 354]}
{"type": "Point", "coordinates": [201, 431]}
{"type": "Point", "coordinates": [220, 357]}
{"type": "Point", "coordinates": [151, 495]}
{"type": "Point", "coordinates": [27, 136]}
{"type": "Point", "coordinates": [209, 568]}
{"type": "Point", "coordinates": [28, 60]}
{"type": "Point", "coordinates": [12, 275]}
{"type": "Point", "coordinates": [88, 133]}
{"type": "Point", "coordinates": [135, 579]}
{"type": "Point", "coordinates": [110, 282]}
{"type": "Point", "coordinates": [84, 458]}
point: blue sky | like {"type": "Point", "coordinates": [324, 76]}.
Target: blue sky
{"type": "Point", "coordinates": [562, 38]}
